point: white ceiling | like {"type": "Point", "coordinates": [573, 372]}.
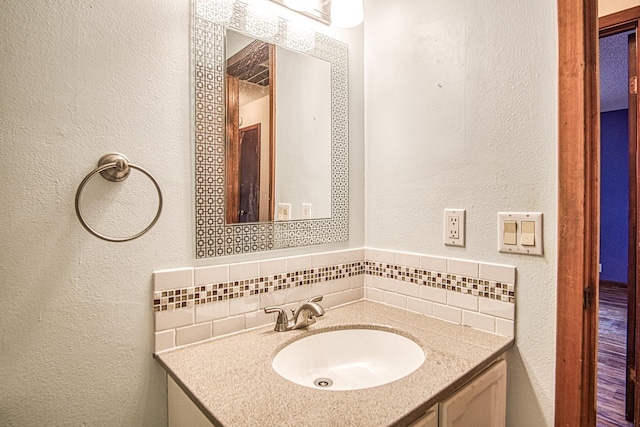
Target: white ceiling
{"type": "Point", "coordinates": [613, 72]}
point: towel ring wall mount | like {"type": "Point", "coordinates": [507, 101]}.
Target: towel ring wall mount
{"type": "Point", "coordinates": [115, 167]}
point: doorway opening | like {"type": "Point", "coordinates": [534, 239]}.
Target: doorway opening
{"type": "Point", "coordinates": [615, 54]}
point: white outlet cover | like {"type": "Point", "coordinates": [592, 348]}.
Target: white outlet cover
{"type": "Point", "coordinates": [460, 215]}
{"type": "Point", "coordinates": [519, 248]}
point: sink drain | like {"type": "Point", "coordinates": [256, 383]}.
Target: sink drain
{"type": "Point", "coordinates": [323, 382]}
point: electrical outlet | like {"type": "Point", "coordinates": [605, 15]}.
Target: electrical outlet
{"type": "Point", "coordinates": [306, 211]}
{"type": "Point", "coordinates": [454, 226]}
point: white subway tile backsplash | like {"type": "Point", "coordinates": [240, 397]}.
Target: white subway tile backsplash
{"type": "Point", "coordinates": [479, 321]}
{"type": "Point", "coordinates": [466, 301]}
{"type": "Point", "coordinates": [433, 263]}
{"type": "Point", "coordinates": [505, 310]}
{"type": "Point", "coordinates": [407, 259]}
{"type": "Point", "coordinates": [244, 305]}
{"type": "Point", "coordinates": [386, 257]}
{"type": "Point", "coordinates": [407, 288]}
{"type": "Point", "coordinates": [395, 300]}
{"type": "Point", "coordinates": [374, 294]}
{"type": "Point", "coordinates": [194, 333]}
{"type": "Point", "coordinates": [195, 304]}
{"type": "Point", "coordinates": [299, 263]}
{"type": "Point", "coordinates": [380, 283]}
{"type": "Point", "coordinates": [271, 299]}
{"type": "Point", "coordinates": [228, 325]}
{"type": "Point", "coordinates": [209, 312]}
{"type": "Point", "coordinates": [340, 298]}
{"type": "Point", "coordinates": [498, 273]}
{"type": "Point", "coordinates": [259, 318]}
{"type": "Point", "coordinates": [172, 279]}
{"type": "Point", "coordinates": [462, 268]}
{"type": "Point", "coordinates": [273, 266]}
{"type": "Point", "coordinates": [505, 327]}
{"type": "Point", "coordinates": [244, 270]}
{"type": "Point", "coordinates": [299, 293]}
{"type": "Point", "coordinates": [321, 288]}
{"type": "Point", "coordinates": [165, 340]}
{"type": "Point", "coordinates": [355, 294]}
{"type": "Point", "coordinates": [420, 306]}
{"type": "Point", "coordinates": [321, 260]}
{"type": "Point", "coordinates": [211, 275]}
{"type": "Point", "coordinates": [433, 294]}
{"type": "Point", "coordinates": [450, 314]}
{"type": "Point", "coordinates": [342, 284]}
{"type": "Point", "coordinates": [173, 319]}
{"type": "Point", "coordinates": [345, 257]}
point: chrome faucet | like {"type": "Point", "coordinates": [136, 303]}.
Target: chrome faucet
{"type": "Point", "coordinates": [302, 317]}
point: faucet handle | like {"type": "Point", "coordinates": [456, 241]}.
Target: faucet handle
{"type": "Point", "coordinates": [316, 299]}
{"type": "Point", "coordinates": [282, 316]}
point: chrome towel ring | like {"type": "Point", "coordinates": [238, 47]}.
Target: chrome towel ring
{"type": "Point", "coordinates": [115, 167]}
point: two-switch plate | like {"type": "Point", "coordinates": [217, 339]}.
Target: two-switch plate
{"type": "Point", "coordinates": [520, 233]}
{"type": "Point", "coordinates": [284, 212]}
{"type": "Point", "coordinates": [454, 226]}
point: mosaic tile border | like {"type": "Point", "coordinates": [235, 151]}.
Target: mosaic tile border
{"type": "Point", "coordinates": [211, 293]}
{"type": "Point", "coordinates": [213, 236]}
{"type": "Point", "coordinates": [186, 297]}
{"type": "Point", "coordinates": [451, 282]}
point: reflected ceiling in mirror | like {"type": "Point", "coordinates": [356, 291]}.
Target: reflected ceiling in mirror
{"type": "Point", "coordinates": [215, 236]}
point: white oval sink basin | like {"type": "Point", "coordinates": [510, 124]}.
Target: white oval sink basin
{"type": "Point", "coordinates": [348, 359]}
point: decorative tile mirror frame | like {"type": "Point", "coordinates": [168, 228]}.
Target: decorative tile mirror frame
{"type": "Point", "coordinates": [215, 237]}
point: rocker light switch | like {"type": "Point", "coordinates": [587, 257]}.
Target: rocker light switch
{"type": "Point", "coordinates": [510, 237]}
{"type": "Point", "coordinates": [520, 233]}
{"type": "Point", "coordinates": [528, 237]}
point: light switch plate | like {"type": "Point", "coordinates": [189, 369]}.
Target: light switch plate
{"type": "Point", "coordinates": [454, 227]}
{"type": "Point", "coordinates": [284, 211]}
{"type": "Point", "coordinates": [519, 218]}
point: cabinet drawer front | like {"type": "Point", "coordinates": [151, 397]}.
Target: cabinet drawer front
{"type": "Point", "coordinates": [480, 403]}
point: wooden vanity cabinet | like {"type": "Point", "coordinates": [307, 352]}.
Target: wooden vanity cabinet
{"type": "Point", "coordinates": [430, 419]}
{"type": "Point", "coordinates": [182, 411]}
{"type": "Point", "coordinates": [482, 402]}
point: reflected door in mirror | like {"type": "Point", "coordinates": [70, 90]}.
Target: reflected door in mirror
{"type": "Point", "coordinates": [250, 150]}
{"type": "Point", "coordinates": [249, 174]}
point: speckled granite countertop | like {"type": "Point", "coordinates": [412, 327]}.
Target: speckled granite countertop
{"type": "Point", "coordinates": [231, 379]}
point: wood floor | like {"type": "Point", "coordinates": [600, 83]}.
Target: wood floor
{"type": "Point", "coordinates": [612, 337]}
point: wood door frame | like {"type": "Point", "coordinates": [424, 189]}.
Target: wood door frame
{"type": "Point", "coordinates": [578, 212]}
{"type": "Point", "coordinates": [578, 208]}
{"type": "Point", "coordinates": [632, 284]}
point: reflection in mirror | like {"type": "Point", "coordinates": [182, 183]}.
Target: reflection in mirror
{"type": "Point", "coordinates": [250, 142]}
{"type": "Point", "coordinates": [303, 135]}
{"type": "Point", "coordinates": [299, 153]}
{"type": "Point", "coordinates": [298, 182]}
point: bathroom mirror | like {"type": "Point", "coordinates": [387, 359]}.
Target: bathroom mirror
{"type": "Point", "coordinates": [278, 132]}
{"type": "Point", "coordinates": [308, 130]}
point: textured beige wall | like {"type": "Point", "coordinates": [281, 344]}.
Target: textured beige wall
{"type": "Point", "coordinates": [77, 80]}
{"type": "Point", "coordinates": [461, 113]}
{"type": "Point", "coordinates": [607, 7]}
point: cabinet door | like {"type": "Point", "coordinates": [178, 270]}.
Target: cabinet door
{"type": "Point", "coordinates": [429, 419]}
{"type": "Point", "coordinates": [480, 403]}
{"type": "Point", "coordinates": [182, 411]}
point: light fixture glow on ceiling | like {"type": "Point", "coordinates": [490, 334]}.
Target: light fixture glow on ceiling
{"type": "Point", "coordinates": [346, 13]}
